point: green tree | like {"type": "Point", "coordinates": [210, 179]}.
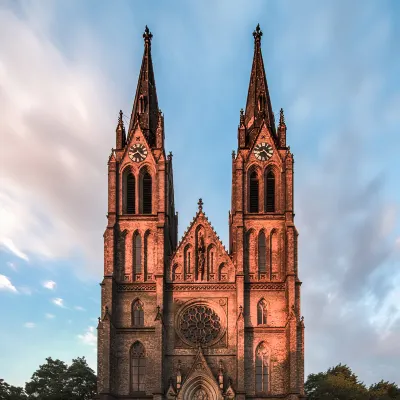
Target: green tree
{"type": "Point", "coordinates": [54, 380]}
{"type": "Point", "coordinates": [337, 383]}
{"type": "Point", "coordinates": [384, 390]}
{"type": "Point", "coordinates": [49, 381]}
{"type": "Point", "coordinates": [9, 392]}
{"type": "Point", "coordinates": [81, 380]}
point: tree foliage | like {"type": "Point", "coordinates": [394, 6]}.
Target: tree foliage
{"type": "Point", "coordinates": [340, 383]}
{"type": "Point", "coordinates": [55, 380]}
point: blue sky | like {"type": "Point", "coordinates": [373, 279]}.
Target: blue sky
{"type": "Point", "coordinates": [67, 67]}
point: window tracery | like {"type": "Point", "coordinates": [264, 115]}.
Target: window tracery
{"type": "Point", "coordinates": [199, 324]}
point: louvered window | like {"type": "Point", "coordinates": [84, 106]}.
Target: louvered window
{"type": "Point", "coordinates": [253, 188]}
{"type": "Point", "coordinates": [147, 193]}
{"type": "Point", "coordinates": [270, 192]}
{"type": "Point", "coordinates": [130, 194]}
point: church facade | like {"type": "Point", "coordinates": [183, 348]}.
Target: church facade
{"type": "Point", "coordinates": [192, 319]}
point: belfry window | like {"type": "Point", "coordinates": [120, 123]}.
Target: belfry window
{"type": "Point", "coordinates": [270, 192]}
{"type": "Point", "coordinates": [129, 193]}
{"type": "Point", "coordinates": [262, 259]}
{"type": "Point", "coordinates": [137, 253]}
{"type": "Point", "coordinates": [138, 368]}
{"type": "Point", "coordinates": [253, 192]}
{"type": "Point", "coordinates": [146, 193]}
{"type": "Point", "coordinates": [137, 313]}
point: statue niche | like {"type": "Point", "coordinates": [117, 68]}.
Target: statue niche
{"type": "Point", "coordinates": [201, 254]}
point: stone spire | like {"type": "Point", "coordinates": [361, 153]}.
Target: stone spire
{"type": "Point", "coordinates": [145, 106]}
{"type": "Point", "coordinates": [258, 106]}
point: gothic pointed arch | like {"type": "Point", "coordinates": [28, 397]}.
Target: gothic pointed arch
{"type": "Point", "coordinates": [262, 253]}
{"type": "Point", "coordinates": [128, 191]}
{"type": "Point", "coordinates": [211, 259]}
{"type": "Point", "coordinates": [188, 260]}
{"type": "Point", "coordinates": [147, 239]}
{"type": "Point", "coordinates": [222, 272]}
{"type": "Point", "coordinates": [137, 253]}
{"type": "Point", "coordinates": [138, 367]}
{"type": "Point", "coordinates": [262, 312]}
{"type": "Point", "coordinates": [137, 313]}
{"type": "Point", "coordinates": [269, 189]}
{"type": "Point", "coordinates": [262, 369]}
{"type": "Point", "coordinates": [253, 190]}
{"type": "Point", "coordinates": [145, 191]}
{"type": "Point", "coordinates": [274, 254]}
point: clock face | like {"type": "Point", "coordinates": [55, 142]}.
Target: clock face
{"type": "Point", "coordinates": [138, 152]}
{"type": "Point", "coordinates": [263, 151]}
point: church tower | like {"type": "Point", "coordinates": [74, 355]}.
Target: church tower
{"type": "Point", "coordinates": [194, 320]}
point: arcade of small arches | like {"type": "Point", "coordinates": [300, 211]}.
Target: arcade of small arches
{"type": "Point", "coordinates": [199, 389]}
{"type": "Point", "coordinates": [261, 254]}
{"type": "Point", "coordinates": [261, 185]}
{"type": "Point", "coordinates": [140, 183]}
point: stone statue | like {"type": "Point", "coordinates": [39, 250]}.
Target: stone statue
{"type": "Point", "coordinates": [201, 257]}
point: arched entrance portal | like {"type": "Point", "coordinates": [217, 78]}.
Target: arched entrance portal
{"type": "Point", "coordinates": [200, 388]}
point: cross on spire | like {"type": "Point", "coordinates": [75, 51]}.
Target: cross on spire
{"type": "Point", "coordinates": [145, 107]}
{"type": "Point", "coordinates": [200, 204]}
{"type": "Point", "coordinates": [258, 105]}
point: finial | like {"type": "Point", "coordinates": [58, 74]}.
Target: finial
{"type": "Point", "coordinates": [281, 118]}
{"type": "Point", "coordinates": [200, 204]}
{"type": "Point", "coordinates": [120, 121]}
{"type": "Point", "coordinates": [233, 154]}
{"type": "Point", "coordinates": [170, 155]}
{"type": "Point", "coordinates": [241, 117]}
{"type": "Point", "coordinates": [147, 35]}
{"type": "Point", "coordinates": [257, 33]}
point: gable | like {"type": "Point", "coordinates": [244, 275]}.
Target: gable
{"type": "Point", "coordinates": [200, 255]}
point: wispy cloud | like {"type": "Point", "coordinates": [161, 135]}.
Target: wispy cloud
{"type": "Point", "coordinates": [25, 290]}
{"type": "Point", "coordinates": [89, 337]}
{"type": "Point", "coordinates": [5, 284]}
{"type": "Point", "coordinates": [58, 302]}
{"type": "Point", "coordinates": [51, 285]}
{"type": "Point", "coordinates": [79, 308]}
{"type": "Point", "coordinates": [49, 316]}
{"type": "Point", "coordinates": [29, 325]}
{"type": "Point", "coordinates": [7, 242]}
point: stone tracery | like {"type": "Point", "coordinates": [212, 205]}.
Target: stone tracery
{"type": "Point", "coordinates": [200, 325]}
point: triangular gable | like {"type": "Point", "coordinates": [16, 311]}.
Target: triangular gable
{"type": "Point", "coordinates": [223, 268]}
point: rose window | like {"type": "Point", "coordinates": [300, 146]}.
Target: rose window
{"type": "Point", "coordinates": [199, 324]}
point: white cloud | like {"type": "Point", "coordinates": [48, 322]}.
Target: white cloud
{"type": "Point", "coordinates": [29, 325]}
{"type": "Point", "coordinates": [49, 316]}
{"type": "Point", "coordinates": [79, 308]}
{"type": "Point", "coordinates": [5, 284]}
{"type": "Point", "coordinates": [51, 285]}
{"type": "Point", "coordinates": [58, 302]}
{"type": "Point", "coordinates": [89, 337]}
{"type": "Point", "coordinates": [6, 242]}
{"type": "Point", "coordinates": [58, 112]}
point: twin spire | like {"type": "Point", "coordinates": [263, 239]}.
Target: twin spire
{"type": "Point", "coordinates": [258, 106]}
{"type": "Point", "coordinates": [145, 109]}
